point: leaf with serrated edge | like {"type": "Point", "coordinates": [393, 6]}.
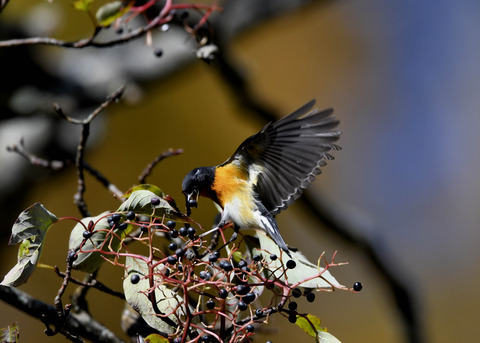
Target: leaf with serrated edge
{"type": "Point", "coordinates": [304, 269]}
{"type": "Point", "coordinates": [30, 228]}
{"type": "Point", "coordinates": [135, 294]}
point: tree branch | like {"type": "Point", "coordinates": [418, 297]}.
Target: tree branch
{"type": "Point", "coordinates": [82, 322]}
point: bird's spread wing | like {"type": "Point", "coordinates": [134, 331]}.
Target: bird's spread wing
{"type": "Point", "coordinates": [284, 157]}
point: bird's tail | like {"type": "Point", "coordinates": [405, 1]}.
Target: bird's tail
{"type": "Point", "coordinates": [271, 227]}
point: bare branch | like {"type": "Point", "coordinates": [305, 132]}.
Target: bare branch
{"type": "Point", "coordinates": [82, 322]}
{"type": "Point", "coordinates": [148, 169]}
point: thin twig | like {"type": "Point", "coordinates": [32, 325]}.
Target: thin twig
{"type": "Point", "coordinates": [78, 197]}
{"type": "Point", "coordinates": [149, 168]}
{"type": "Point", "coordinates": [115, 96]}
{"type": "Point", "coordinates": [57, 165]}
{"type": "Point", "coordinates": [92, 283]}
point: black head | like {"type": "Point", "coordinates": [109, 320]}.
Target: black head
{"type": "Point", "coordinates": [198, 181]}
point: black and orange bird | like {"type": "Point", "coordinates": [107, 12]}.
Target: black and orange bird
{"type": "Point", "coordinates": [268, 171]}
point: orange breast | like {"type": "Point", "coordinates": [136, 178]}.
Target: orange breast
{"type": "Point", "coordinates": [230, 181]}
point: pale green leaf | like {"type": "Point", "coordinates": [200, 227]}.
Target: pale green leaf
{"type": "Point", "coordinates": [34, 221]}
{"type": "Point", "coordinates": [30, 228]}
{"type": "Point", "coordinates": [140, 202]}
{"type": "Point", "coordinates": [167, 300]}
{"type": "Point", "coordinates": [109, 12]}
{"type": "Point", "coordinates": [303, 271]}
{"type": "Point", "coordinates": [102, 240]}
{"type": "Point", "coordinates": [325, 337]}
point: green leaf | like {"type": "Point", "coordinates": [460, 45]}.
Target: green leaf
{"type": "Point", "coordinates": [107, 13]}
{"type": "Point", "coordinates": [311, 325]}
{"type": "Point", "coordinates": [30, 229]}
{"type": "Point", "coordinates": [10, 334]}
{"type": "Point", "coordinates": [140, 202]}
{"type": "Point", "coordinates": [304, 269]}
{"type": "Point", "coordinates": [146, 187]}
{"type": "Point", "coordinates": [136, 296]}
{"type": "Point", "coordinates": [33, 222]}
{"type": "Point", "coordinates": [92, 260]}
{"type": "Point", "coordinates": [83, 5]}
{"type": "Point", "coordinates": [155, 338]}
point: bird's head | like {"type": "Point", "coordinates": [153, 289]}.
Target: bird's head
{"type": "Point", "coordinates": [197, 182]}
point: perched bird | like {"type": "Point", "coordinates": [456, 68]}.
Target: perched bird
{"type": "Point", "coordinates": [268, 171]}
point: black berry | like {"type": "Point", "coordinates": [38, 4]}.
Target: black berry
{"type": "Point", "coordinates": [174, 233]}
{"type": "Point", "coordinates": [273, 257]}
{"type": "Point", "coordinates": [259, 312]}
{"type": "Point", "coordinates": [72, 255]}
{"type": "Point", "coordinates": [292, 306]}
{"type": "Point", "coordinates": [297, 293]}
{"type": "Point", "coordinates": [116, 217]}
{"type": "Point", "coordinates": [223, 293]}
{"type": "Point", "coordinates": [291, 264]}
{"type": "Point", "coordinates": [171, 224]}
{"type": "Point", "coordinates": [242, 306]}
{"type": "Point", "coordinates": [311, 297]}
{"type": "Point", "coordinates": [357, 286]}
{"type": "Point", "coordinates": [172, 246]}
{"type": "Point", "coordinates": [292, 318]}
{"type": "Point", "coordinates": [242, 264]}
{"type": "Point", "coordinates": [191, 232]}
{"type": "Point", "coordinates": [183, 231]}
{"type": "Point", "coordinates": [213, 258]}
{"type": "Point", "coordinates": [155, 201]}
{"type": "Point", "coordinates": [135, 278]}
{"type": "Point", "coordinates": [192, 203]}
{"type": "Point", "coordinates": [250, 328]}
{"type": "Point", "coordinates": [242, 289]}
{"type": "Point", "coordinates": [210, 304]}
{"type": "Point", "coordinates": [205, 338]}
{"type": "Point", "coordinates": [131, 215]}
{"type": "Point", "coordinates": [257, 258]}
{"type": "Point", "coordinates": [158, 52]}
{"type": "Point", "coordinates": [123, 226]}
{"type": "Point", "coordinates": [249, 297]}
{"type": "Point", "coordinates": [180, 252]}
{"type": "Point", "coordinates": [172, 259]}
{"type": "Point", "coordinates": [87, 234]}
{"type": "Point", "coordinates": [225, 265]}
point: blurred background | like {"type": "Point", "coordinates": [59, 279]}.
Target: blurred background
{"type": "Point", "coordinates": [403, 78]}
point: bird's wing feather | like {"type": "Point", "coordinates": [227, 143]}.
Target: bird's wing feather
{"type": "Point", "coordinates": [284, 157]}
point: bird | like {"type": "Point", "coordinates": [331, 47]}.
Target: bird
{"type": "Point", "coordinates": [267, 172]}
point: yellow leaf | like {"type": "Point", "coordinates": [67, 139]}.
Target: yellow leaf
{"type": "Point", "coordinates": [310, 324]}
{"type": "Point", "coordinates": [155, 338]}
